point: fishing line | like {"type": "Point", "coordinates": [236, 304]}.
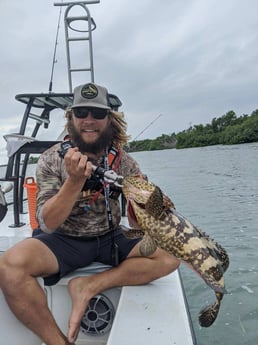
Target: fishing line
{"type": "Point", "coordinates": [137, 136]}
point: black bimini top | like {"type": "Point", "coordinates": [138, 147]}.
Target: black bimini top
{"type": "Point", "coordinates": [57, 100]}
{"type": "Point", "coordinates": [42, 100]}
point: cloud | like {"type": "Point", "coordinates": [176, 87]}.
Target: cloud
{"type": "Point", "coordinates": [190, 60]}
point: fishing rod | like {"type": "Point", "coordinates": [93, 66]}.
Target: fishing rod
{"type": "Point", "coordinates": [151, 123]}
{"type": "Point", "coordinates": [54, 56]}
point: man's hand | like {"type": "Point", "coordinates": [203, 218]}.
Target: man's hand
{"type": "Point", "coordinates": [77, 165]}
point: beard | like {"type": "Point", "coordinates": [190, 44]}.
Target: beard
{"type": "Point", "coordinates": [104, 141]}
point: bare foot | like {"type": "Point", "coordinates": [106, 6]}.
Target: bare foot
{"type": "Point", "coordinates": [80, 296]}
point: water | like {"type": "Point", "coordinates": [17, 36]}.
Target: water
{"type": "Point", "coordinates": [216, 188]}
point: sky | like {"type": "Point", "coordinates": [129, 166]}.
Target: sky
{"type": "Point", "coordinates": [173, 63]}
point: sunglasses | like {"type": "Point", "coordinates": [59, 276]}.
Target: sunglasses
{"type": "Point", "coordinates": [96, 113]}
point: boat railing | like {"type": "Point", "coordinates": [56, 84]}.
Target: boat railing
{"type": "Point", "coordinates": [17, 167]}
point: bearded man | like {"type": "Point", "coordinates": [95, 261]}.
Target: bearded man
{"type": "Point", "coordinates": [78, 221]}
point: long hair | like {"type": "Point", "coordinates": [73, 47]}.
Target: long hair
{"type": "Point", "coordinates": [117, 121]}
{"type": "Point", "coordinates": [120, 127]}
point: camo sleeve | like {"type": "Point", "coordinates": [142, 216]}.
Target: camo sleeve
{"type": "Point", "coordinates": [50, 174]}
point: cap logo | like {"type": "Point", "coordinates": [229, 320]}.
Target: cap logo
{"type": "Point", "coordinates": [89, 91]}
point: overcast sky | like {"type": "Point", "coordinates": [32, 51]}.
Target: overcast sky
{"type": "Point", "coordinates": [189, 60]}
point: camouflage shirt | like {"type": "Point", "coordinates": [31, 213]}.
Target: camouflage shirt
{"type": "Point", "coordinates": [51, 174]}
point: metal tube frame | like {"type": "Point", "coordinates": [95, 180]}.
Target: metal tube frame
{"type": "Point", "coordinates": [89, 38]}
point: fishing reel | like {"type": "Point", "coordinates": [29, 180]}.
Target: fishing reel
{"type": "Point", "coordinates": [92, 183]}
{"type": "Point", "coordinates": [99, 176]}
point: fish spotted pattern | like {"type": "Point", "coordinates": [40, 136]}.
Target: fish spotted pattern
{"type": "Point", "coordinates": [149, 209]}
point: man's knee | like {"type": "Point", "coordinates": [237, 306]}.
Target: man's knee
{"type": "Point", "coordinates": [11, 269]}
{"type": "Point", "coordinates": [17, 262]}
{"type": "Point", "coordinates": [166, 262]}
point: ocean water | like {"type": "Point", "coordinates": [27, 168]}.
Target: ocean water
{"type": "Point", "coordinates": [216, 188]}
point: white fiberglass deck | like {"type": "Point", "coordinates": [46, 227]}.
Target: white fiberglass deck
{"type": "Point", "coordinates": [145, 315]}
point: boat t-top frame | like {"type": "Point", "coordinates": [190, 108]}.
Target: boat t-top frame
{"type": "Point", "coordinates": [39, 107]}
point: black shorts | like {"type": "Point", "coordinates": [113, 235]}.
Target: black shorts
{"type": "Point", "coordinates": [77, 252]}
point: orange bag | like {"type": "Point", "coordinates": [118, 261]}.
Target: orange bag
{"type": "Point", "coordinates": [31, 187]}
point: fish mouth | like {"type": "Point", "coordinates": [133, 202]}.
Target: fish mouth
{"type": "Point", "coordinates": [131, 213]}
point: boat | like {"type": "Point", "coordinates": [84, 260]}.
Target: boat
{"type": "Point", "coordinates": [141, 315]}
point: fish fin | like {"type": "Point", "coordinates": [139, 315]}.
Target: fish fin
{"type": "Point", "coordinates": [216, 250]}
{"type": "Point", "coordinates": [131, 232]}
{"type": "Point", "coordinates": [167, 202]}
{"type": "Point", "coordinates": [154, 205]}
{"type": "Point", "coordinates": [147, 246]}
{"type": "Point", "coordinates": [219, 253]}
{"type": "Point", "coordinates": [209, 314]}
{"type": "Point", "coordinates": [222, 256]}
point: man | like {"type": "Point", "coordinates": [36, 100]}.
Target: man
{"type": "Point", "coordinates": [79, 222]}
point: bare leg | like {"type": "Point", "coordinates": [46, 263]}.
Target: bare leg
{"type": "Point", "coordinates": [18, 268]}
{"type": "Point", "coordinates": [133, 271]}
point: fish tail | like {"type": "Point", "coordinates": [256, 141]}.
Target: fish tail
{"type": "Point", "coordinates": [209, 314]}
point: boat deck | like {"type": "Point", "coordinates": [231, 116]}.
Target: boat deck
{"type": "Point", "coordinates": [151, 312]}
{"type": "Point", "coordinates": [143, 313]}
{"type": "Point", "coordinates": [10, 235]}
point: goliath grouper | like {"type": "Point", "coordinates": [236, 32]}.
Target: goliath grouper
{"type": "Point", "coordinates": [161, 226]}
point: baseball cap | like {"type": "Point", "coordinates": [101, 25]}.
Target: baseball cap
{"type": "Point", "coordinates": [91, 95]}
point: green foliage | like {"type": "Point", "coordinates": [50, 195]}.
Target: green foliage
{"type": "Point", "coordinates": [33, 160]}
{"type": "Point", "coordinates": [227, 129]}
{"type": "Point", "coordinates": [165, 141]}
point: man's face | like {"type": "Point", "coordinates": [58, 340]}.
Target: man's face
{"type": "Point", "coordinates": [89, 127]}
{"type": "Point", "coordinates": [89, 133]}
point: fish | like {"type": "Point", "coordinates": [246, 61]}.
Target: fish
{"type": "Point", "coordinates": [153, 217]}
